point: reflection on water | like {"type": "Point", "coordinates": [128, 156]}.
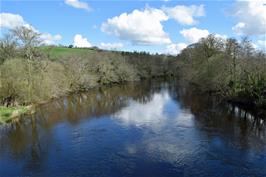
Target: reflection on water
{"type": "Point", "coordinates": [138, 129]}
{"type": "Point", "coordinates": [150, 114]}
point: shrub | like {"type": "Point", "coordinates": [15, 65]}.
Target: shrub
{"type": "Point", "coordinates": [47, 80]}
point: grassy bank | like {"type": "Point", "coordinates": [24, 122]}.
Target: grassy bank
{"type": "Point", "coordinates": [8, 113]}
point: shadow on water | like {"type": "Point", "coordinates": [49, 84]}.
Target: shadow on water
{"type": "Point", "coordinates": [132, 130]}
{"type": "Point", "coordinates": [231, 121]}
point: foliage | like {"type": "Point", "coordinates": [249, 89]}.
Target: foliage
{"type": "Point", "coordinates": [7, 47]}
{"type": "Point", "coordinates": [32, 73]}
{"type": "Point", "coordinates": [235, 70]}
{"type": "Point", "coordinates": [47, 81]}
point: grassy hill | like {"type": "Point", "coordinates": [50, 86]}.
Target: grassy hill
{"type": "Point", "coordinates": [55, 52]}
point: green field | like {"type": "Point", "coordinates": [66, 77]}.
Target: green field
{"type": "Point", "coordinates": [58, 52]}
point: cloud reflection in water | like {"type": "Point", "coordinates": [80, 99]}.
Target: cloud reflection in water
{"type": "Point", "coordinates": [150, 114]}
{"type": "Point", "coordinates": [171, 124]}
{"type": "Point", "coordinates": [161, 109]}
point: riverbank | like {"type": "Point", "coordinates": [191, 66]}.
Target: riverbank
{"type": "Point", "coordinates": [9, 113]}
{"type": "Point", "coordinates": [116, 123]}
{"type": "Point", "coordinates": [233, 69]}
{"type": "Point", "coordinates": [256, 110]}
{"type": "Point", "coordinates": [33, 74]}
{"type": "Point", "coordinates": [49, 76]}
{"type": "Point", "coordinates": [248, 104]}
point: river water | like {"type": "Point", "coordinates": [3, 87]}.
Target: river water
{"type": "Point", "coordinates": [144, 129]}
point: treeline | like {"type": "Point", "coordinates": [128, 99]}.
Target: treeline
{"type": "Point", "coordinates": [233, 69]}
{"type": "Point", "coordinates": [30, 75]}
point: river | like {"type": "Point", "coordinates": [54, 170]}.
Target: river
{"type": "Point", "coordinates": [143, 129]}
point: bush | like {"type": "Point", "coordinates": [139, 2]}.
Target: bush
{"type": "Point", "coordinates": [47, 80]}
{"type": "Point", "coordinates": [13, 81]}
{"type": "Point", "coordinates": [114, 69]}
{"type": "Point", "coordinates": [79, 73]}
{"type": "Point", "coordinates": [233, 69]}
{"type": "Point", "coordinates": [28, 75]}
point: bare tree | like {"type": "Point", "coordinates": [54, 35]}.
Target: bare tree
{"type": "Point", "coordinates": [247, 48]}
{"type": "Point", "coordinates": [211, 45]}
{"type": "Point", "coordinates": [8, 46]}
{"type": "Point", "coordinates": [232, 49]}
{"type": "Point", "coordinates": [28, 39]}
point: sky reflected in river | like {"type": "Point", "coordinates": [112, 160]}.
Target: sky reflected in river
{"type": "Point", "coordinates": [140, 129]}
{"type": "Point", "coordinates": [151, 114]}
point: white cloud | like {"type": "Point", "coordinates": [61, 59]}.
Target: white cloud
{"type": "Point", "coordinates": [80, 41]}
{"type": "Point", "coordinates": [8, 20]}
{"type": "Point", "coordinates": [111, 46]}
{"type": "Point", "coordinates": [185, 14]}
{"type": "Point", "coordinates": [49, 39]}
{"type": "Point", "coordinates": [174, 49]}
{"type": "Point", "coordinates": [139, 27]}
{"type": "Point", "coordinates": [252, 17]}
{"type": "Point", "coordinates": [77, 4]}
{"type": "Point", "coordinates": [193, 35]}
{"type": "Point", "coordinates": [31, 28]}
{"type": "Point", "coordinates": [223, 36]}
{"type": "Point", "coordinates": [261, 44]}
{"type": "Point", "coordinates": [11, 21]}
{"type": "Point", "coordinates": [255, 46]}
{"type": "Point", "coordinates": [239, 27]}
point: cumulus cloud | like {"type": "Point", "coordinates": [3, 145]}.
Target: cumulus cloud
{"type": "Point", "coordinates": [174, 49]}
{"type": "Point", "coordinates": [239, 27]}
{"type": "Point", "coordinates": [223, 36]}
{"type": "Point", "coordinates": [252, 17]}
{"type": "Point", "coordinates": [185, 14]}
{"type": "Point", "coordinates": [193, 35]}
{"type": "Point", "coordinates": [77, 4]}
{"type": "Point", "coordinates": [49, 39]}
{"type": "Point", "coordinates": [111, 46]}
{"type": "Point", "coordinates": [80, 41]}
{"type": "Point", "coordinates": [8, 20]}
{"type": "Point", "coordinates": [261, 44]}
{"type": "Point", "coordinates": [139, 27]}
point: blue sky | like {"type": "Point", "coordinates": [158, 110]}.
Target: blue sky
{"type": "Point", "coordinates": [154, 26]}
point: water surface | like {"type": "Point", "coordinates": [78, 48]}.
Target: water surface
{"type": "Point", "coordinates": [147, 129]}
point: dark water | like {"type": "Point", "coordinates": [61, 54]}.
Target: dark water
{"type": "Point", "coordinates": [147, 129]}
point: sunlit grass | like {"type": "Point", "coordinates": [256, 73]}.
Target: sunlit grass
{"type": "Point", "coordinates": [58, 52]}
{"type": "Point", "coordinates": [6, 113]}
